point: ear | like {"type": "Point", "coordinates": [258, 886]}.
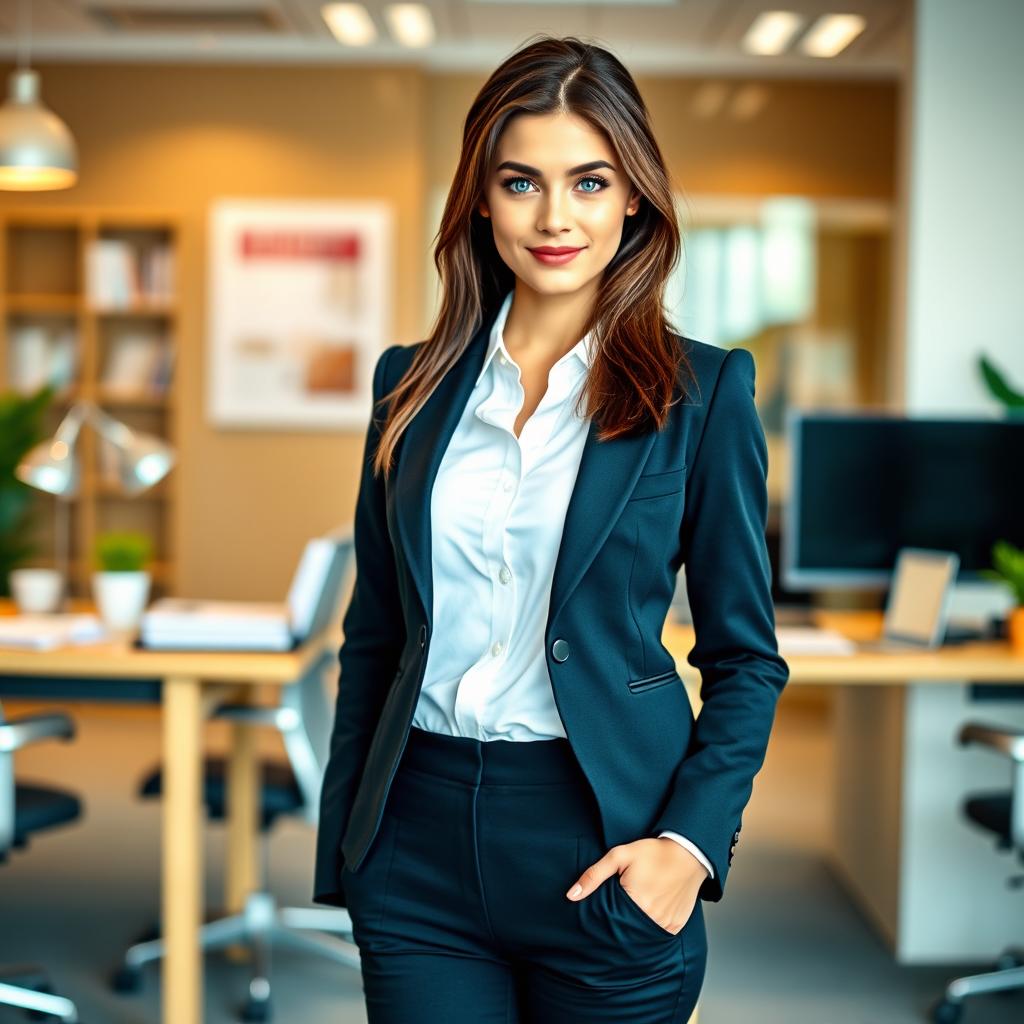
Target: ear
{"type": "Point", "coordinates": [634, 203]}
{"type": "Point", "coordinates": [482, 208]}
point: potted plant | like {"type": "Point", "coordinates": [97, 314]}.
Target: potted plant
{"type": "Point", "coordinates": [1008, 566]}
{"type": "Point", "coordinates": [121, 584]}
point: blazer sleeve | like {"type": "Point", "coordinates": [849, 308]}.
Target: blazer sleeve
{"type": "Point", "coordinates": [374, 636]}
{"type": "Point", "coordinates": [728, 582]}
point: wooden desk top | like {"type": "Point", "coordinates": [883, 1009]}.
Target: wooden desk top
{"type": "Point", "coordinates": [988, 662]}
{"type": "Point", "coordinates": [118, 659]}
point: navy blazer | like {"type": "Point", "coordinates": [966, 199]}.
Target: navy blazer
{"type": "Point", "coordinates": [693, 492]}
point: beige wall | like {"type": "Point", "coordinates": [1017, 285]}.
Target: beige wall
{"type": "Point", "coordinates": [176, 137]}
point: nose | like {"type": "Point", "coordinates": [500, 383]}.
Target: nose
{"type": "Point", "coordinates": [554, 214]}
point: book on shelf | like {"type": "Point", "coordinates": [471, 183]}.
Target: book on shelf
{"type": "Point", "coordinates": [120, 274]}
{"type": "Point", "coordinates": [42, 354]}
{"type": "Point", "coordinates": [136, 365]}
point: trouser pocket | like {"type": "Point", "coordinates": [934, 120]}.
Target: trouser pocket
{"type": "Point", "coordinates": [366, 890]}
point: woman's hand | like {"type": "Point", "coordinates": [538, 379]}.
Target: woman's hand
{"type": "Point", "coordinates": [659, 874]}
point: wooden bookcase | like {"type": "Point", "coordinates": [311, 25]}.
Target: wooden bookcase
{"type": "Point", "coordinates": [51, 280]}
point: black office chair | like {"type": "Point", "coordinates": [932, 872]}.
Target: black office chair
{"type": "Point", "coordinates": [1000, 812]}
{"type": "Point", "coordinates": [25, 810]}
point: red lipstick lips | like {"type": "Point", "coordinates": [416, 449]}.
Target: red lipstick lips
{"type": "Point", "coordinates": [555, 255]}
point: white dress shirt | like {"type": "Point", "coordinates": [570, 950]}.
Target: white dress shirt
{"type": "Point", "coordinates": [497, 510]}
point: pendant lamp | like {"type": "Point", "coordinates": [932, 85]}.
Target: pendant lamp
{"type": "Point", "coordinates": [37, 151]}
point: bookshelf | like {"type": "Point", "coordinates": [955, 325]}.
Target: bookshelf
{"type": "Point", "coordinates": [88, 301]}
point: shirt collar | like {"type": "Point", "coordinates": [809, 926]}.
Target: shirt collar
{"type": "Point", "coordinates": [581, 351]}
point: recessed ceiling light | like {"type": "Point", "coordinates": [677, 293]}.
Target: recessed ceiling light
{"type": "Point", "coordinates": [771, 32]}
{"type": "Point", "coordinates": [831, 34]}
{"type": "Point", "coordinates": [350, 23]}
{"type": "Point", "coordinates": [410, 23]}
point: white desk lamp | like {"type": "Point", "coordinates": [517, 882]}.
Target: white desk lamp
{"type": "Point", "coordinates": [52, 466]}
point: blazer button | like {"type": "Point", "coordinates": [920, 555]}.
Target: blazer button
{"type": "Point", "coordinates": [560, 649]}
{"type": "Point", "coordinates": [423, 636]}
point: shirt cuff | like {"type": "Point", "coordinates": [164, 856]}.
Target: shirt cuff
{"type": "Point", "coordinates": [693, 849]}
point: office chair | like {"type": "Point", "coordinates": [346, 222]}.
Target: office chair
{"type": "Point", "coordinates": [25, 810]}
{"type": "Point", "coordinates": [1002, 813]}
{"type": "Point", "coordinates": [303, 717]}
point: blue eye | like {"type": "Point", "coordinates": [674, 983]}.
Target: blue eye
{"type": "Point", "coordinates": [509, 183]}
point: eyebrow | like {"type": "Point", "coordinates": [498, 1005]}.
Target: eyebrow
{"type": "Point", "coordinates": [512, 165]}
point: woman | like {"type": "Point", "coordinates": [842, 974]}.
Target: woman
{"type": "Point", "coordinates": [520, 811]}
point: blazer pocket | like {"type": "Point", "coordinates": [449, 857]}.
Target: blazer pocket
{"type": "Point", "coordinates": [651, 682]}
{"type": "Point", "coordinates": [655, 485]}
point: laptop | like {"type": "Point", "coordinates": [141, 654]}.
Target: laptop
{"type": "Point", "coordinates": [918, 606]}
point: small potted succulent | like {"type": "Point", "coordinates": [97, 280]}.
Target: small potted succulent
{"type": "Point", "coordinates": [121, 584]}
{"type": "Point", "coordinates": [1008, 567]}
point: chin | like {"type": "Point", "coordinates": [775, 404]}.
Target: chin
{"type": "Point", "coordinates": [549, 282]}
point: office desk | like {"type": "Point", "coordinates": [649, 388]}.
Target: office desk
{"type": "Point", "coordinates": [932, 885]}
{"type": "Point", "coordinates": [899, 777]}
{"type": "Point", "coordinates": [189, 686]}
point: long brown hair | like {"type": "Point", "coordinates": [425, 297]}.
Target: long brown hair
{"type": "Point", "coordinates": [630, 383]}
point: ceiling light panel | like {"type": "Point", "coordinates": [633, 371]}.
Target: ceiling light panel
{"type": "Point", "coordinates": [350, 23]}
{"type": "Point", "coordinates": [831, 34]}
{"type": "Point", "coordinates": [772, 32]}
{"type": "Point", "coordinates": [410, 24]}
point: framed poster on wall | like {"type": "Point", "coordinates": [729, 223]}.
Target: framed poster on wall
{"type": "Point", "coordinates": [299, 296]}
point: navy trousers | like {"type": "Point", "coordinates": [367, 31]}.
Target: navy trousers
{"type": "Point", "coordinates": [459, 907]}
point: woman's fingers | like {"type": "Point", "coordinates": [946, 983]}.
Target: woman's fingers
{"type": "Point", "coordinates": [594, 875]}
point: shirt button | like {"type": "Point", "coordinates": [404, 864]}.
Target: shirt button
{"type": "Point", "coordinates": [508, 485]}
{"type": "Point", "coordinates": [504, 575]}
{"type": "Point", "coordinates": [502, 360]}
{"type": "Point", "coordinates": [496, 648]}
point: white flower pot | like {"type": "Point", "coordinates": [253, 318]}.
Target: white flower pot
{"type": "Point", "coordinates": [36, 590]}
{"type": "Point", "coordinates": [121, 597]}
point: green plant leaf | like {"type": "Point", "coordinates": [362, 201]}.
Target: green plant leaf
{"type": "Point", "coordinates": [999, 386]}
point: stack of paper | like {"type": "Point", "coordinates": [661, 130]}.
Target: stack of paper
{"type": "Point", "coordinates": [181, 623]}
{"type": "Point", "coordinates": [812, 640]}
{"type": "Point", "coordinates": [43, 632]}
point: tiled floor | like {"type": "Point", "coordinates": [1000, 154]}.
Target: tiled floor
{"type": "Point", "coordinates": [786, 946]}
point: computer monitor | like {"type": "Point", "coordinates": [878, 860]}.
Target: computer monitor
{"type": "Point", "coordinates": [864, 484]}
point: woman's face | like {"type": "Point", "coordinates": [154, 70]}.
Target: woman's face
{"type": "Point", "coordinates": [537, 196]}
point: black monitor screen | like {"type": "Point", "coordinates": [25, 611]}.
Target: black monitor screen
{"type": "Point", "coordinates": [864, 486]}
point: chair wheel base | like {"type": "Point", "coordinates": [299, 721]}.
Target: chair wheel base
{"type": "Point", "coordinates": [46, 989]}
{"type": "Point", "coordinates": [126, 980]}
{"type": "Point", "coordinates": [255, 1010]}
{"type": "Point", "coordinates": [945, 1011]}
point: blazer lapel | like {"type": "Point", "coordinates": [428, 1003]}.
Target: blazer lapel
{"type": "Point", "coordinates": [607, 474]}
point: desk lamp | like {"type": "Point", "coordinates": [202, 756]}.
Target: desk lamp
{"type": "Point", "coordinates": [52, 466]}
